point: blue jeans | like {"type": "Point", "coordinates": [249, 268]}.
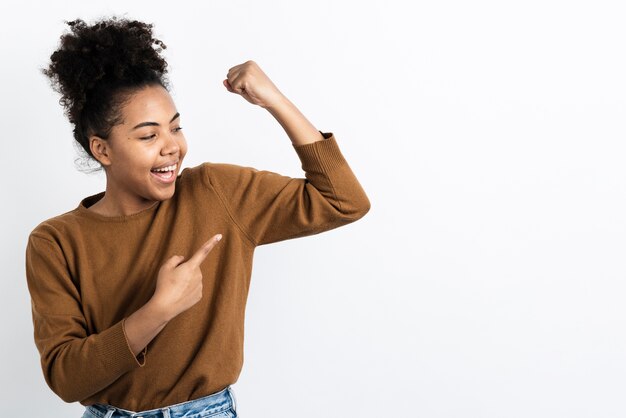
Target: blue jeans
{"type": "Point", "coordinates": [221, 404]}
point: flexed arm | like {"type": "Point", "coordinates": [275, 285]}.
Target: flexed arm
{"type": "Point", "coordinates": [270, 207]}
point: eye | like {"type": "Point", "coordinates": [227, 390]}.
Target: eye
{"type": "Point", "coordinates": [175, 130]}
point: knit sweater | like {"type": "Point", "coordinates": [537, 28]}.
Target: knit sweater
{"type": "Point", "coordinates": [87, 273]}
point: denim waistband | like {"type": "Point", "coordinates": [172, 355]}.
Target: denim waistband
{"type": "Point", "coordinates": [210, 404]}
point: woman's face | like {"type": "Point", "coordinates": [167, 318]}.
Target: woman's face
{"type": "Point", "coordinates": [149, 138]}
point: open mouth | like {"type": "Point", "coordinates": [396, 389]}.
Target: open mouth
{"type": "Point", "coordinates": [166, 174]}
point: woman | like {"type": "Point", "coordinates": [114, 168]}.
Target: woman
{"type": "Point", "coordinates": [138, 307]}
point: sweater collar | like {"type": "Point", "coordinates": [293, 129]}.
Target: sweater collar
{"type": "Point", "coordinates": [83, 209]}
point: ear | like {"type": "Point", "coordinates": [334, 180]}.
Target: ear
{"type": "Point", "coordinates": [100, 149]}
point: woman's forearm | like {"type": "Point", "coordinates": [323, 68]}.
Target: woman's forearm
{"type": "Point", "coordinates": [142, 326]}
{"type": "Point", "coordinates": [297, 126]}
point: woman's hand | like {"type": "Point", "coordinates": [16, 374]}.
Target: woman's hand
{"type": "Point", "coordinates": [250, 82]}
{"type": "Point", "coordinates": [179, 285]}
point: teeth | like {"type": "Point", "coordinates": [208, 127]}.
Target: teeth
{"type": "Point", "coordinates": [170, 168]}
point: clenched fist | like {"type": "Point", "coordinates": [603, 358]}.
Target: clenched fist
{"type": "Point", "coordinates": [251, 83]}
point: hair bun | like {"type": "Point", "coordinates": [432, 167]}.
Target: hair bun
{"type": "Point", "coordinates": [109, 53]}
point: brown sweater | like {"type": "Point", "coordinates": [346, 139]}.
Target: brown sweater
{"type": "Point", "coordinates": [87, 273]}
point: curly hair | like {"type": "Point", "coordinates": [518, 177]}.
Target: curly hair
{"type": "Point", "coordinates": [97, 68]}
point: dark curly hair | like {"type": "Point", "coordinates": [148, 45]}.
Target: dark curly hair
{"type": "Point", "coordinates": [97, 68]}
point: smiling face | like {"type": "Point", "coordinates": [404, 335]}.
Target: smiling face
{"type": "Point", "coordinates": [143, 155]}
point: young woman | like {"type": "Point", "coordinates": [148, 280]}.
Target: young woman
{"type": "Point", "coordinates": [138, 307]}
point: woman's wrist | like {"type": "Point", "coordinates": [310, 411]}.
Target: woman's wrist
{"type": "Point", "coordinates": [157, 311]}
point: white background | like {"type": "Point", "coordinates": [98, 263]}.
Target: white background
{"type": "Point", "coordinates": [487, 280]}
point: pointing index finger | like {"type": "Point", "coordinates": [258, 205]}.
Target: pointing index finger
{"type": "Point", "coordinates": [204, 250]}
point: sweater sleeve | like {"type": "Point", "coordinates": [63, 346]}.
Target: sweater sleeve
{"type": "Point", "coordinates": [75, 365]}
{"type": "Point", "coordinates": [269, 207]}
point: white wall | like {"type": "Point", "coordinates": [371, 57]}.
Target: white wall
{"type": "Point", "coordinates": [487, 279]}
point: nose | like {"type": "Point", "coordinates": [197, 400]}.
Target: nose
{"type": "Point", "coordinates": [170, 146]}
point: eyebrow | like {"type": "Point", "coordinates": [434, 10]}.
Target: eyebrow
{"type": "Point", "coordinates": [142, 124]}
